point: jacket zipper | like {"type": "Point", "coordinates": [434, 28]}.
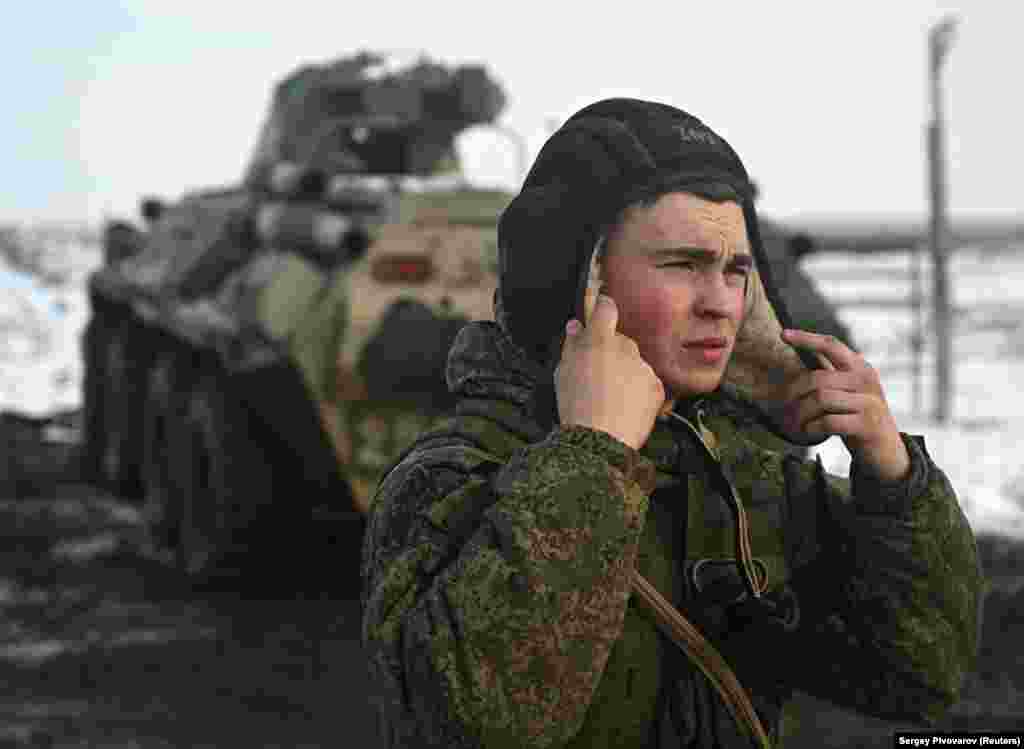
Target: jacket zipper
{"type": "Point", "coordinates": [754, 583]}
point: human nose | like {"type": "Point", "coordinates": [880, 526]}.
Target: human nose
{"type": "Point", "coordinates": [714, 295]}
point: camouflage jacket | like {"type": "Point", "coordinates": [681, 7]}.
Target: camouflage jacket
{"type": "Point", "coordinates": [497, 601]}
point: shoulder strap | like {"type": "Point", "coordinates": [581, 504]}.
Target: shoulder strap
{"type": "Point", "coordinates": [705, 656]}
{"type": "Point", "coordinates": [497, 445]}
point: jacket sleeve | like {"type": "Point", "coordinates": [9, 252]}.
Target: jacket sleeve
{"type": "Point", "coordinates": [491, 606]}
{"type": "Point", "coordinates": [890, 600]}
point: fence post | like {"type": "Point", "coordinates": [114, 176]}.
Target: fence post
{"type": "Point", "coordinates": [917, 341]}
{"type": "Point", "coordinates": [940, 40]}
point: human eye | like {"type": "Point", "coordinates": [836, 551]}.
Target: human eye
{"type": "Point", "coordinates": [736, 274]}
{"type": "Point", "coordinates": [684, 264]}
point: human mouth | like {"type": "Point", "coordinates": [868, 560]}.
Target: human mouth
{"type": "Point", "coordinates": [708, 350]}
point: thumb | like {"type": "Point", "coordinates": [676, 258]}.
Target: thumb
{"type": "Point", "coordinates": [590, 297]}
{"type": "Point", "coordinates": [605, 318]}
{"type": "Point", "coordinates": [572, 330]}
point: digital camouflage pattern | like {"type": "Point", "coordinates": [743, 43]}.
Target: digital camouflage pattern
{"type": "Point", "coordinates": [496, 577]}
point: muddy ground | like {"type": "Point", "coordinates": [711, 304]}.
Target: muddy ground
{"type": "Point", "coordinates": [104, 646]}
{"type": "Point", "coordinates": [101, 647]}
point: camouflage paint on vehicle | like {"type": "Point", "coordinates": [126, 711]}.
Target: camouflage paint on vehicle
{"type": "Point", "coordinates": [452, 235]}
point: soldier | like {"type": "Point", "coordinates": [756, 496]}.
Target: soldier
{"type": "Point", "coordinates": [592, 553]}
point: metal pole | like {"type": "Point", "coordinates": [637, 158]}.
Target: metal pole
{"type": "Point", "coordinates": [940, 40]}
{"type": "Point", "coordinates": [917, 342]}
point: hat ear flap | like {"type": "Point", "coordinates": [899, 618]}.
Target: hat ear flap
{"type": "Point", "coordinates": [762, 363]}
{"type": "Point", "coordinates": [543, 237]}
{"type": "Point", "coordinates": [573, 191]}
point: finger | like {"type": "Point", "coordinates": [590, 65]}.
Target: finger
{"type": "Point", "coordinates": [572, 331]}
{"type": "Point", "coordinates": [829, 403]}
{"type": "Point", "coordinates": [605, 318]}
{"type": "Point", "coordinates": [833, 353]}
{"type": "Point", "coordinates": [807, 384]}
{"type": "Point", "coordinates": [828, 425]}
{"type": "Point", "coordinates": [850, 426]}
{"type": "Point", "coordinates": [594, 281]}
{"type": "Point", "coordinates": [590, 299]}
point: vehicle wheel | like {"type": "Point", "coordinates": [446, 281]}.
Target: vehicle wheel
{"type": "Point", "coordinates": [125, 368]}
{"type": "Point", "coordinates": [162, 508]}
{"type": "Point", "coordinates": [92, 450]}
{"type": "Point", "coordinates": [225, 479]}
{"type": "Point", "coordinates": [114, 368]}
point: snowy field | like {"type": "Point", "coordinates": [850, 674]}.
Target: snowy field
{"type": "Point", "coordinates": [43, 311]}
{"type": "Point", "coordinates": [41, 369]}
{"type": "Point", "coordinates": [980, 448]}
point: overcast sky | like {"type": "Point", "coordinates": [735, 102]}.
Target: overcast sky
{"type": "Point", "coordinates": [825, 102]}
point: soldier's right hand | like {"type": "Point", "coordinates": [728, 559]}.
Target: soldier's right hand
{"type": "Point", "coordinates": [603, 382]}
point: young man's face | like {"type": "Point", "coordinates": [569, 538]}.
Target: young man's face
{"type": "Point", "coordinates": [677, 271]}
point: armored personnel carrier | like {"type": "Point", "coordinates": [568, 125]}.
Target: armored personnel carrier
{"type": "Point", "coordinates": [259, 352]}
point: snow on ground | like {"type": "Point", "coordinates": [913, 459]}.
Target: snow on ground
{"type": "Point", "coordinates": [979, 448]}
{"type": "Point", "coordinates": [42, 316]}
{"type": "Point", "coordinates": [41, 370]}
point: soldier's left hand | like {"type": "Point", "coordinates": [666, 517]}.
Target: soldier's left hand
{"type": "Point", "coordinates": [845, 398]}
